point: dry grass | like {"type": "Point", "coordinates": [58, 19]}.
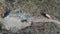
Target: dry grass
{"type": "Point", "coordinates": [34, 7]}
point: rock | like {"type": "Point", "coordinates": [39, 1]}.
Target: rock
{"type": "Point", "coordinates": [13, 23]}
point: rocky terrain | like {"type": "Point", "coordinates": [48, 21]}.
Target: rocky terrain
{"type": "Point", "coordinates": [33, 7]}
